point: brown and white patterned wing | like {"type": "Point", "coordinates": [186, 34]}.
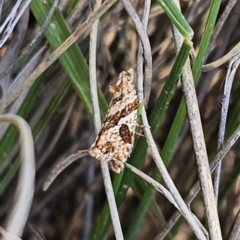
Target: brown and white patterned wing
{"type": "Point", "coordinates": [115, 141]}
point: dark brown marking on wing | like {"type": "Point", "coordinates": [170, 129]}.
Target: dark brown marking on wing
{"type": "Point", "coordinates": [129, 108]}
{"type": "Point", "coordinates": [125, 134]}
{"type": "Point", "coordinates": [115, 100]}
{"type": "Point", "coordinates": [111, 120]}
{"type": "Point", "coordinates": [108, 148]}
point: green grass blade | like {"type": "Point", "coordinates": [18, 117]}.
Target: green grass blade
{"type": "Point", "coordinates": [167, 150]}
{"type": "Point", "coordinates": [51, 109]}
{"type": "Point", "coordinates": [181, 112]}
{"type": "Point", "coordinates": [176, 17]}
{"type": "Point", "coordinates": [201, 56]}
{"type": "Point", "coordinates": [72, 60]}
{"type": "Point", "coordinates": [9, 175]}
{"type": "Point", "coordinates": [12, 133]}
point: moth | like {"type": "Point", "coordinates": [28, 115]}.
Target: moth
{"type": "Point", "coordinates": [114, 142]}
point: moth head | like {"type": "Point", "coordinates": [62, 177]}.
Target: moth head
{"type": "Point", "coordinates": [125, 79]}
